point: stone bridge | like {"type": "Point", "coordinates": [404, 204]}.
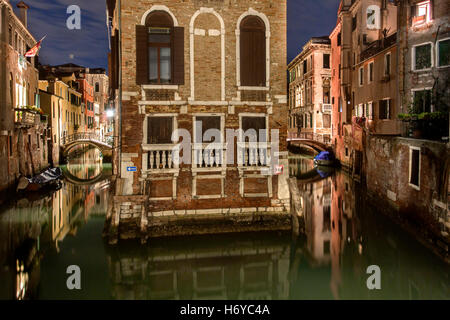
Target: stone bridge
{"type": "Point", "coordinates": [93, 139]}
{"type": "Point", "coordinates": [311, 143]}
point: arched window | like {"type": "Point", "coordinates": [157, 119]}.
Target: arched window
{"type": "Point", "coordinates": [97, 87]}
{"type": "Point", "coordinates": [253, 51]}
{"type": "Point", "coordinates": [159, 50]}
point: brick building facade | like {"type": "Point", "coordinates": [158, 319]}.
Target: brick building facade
{"type": "Point", "coordinates": [220, 64]}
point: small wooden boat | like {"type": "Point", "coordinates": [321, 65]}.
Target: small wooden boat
{"type": "Point", "coordinates": [48, 179]}
{"type": "Point", "coordinates": [325, 158]}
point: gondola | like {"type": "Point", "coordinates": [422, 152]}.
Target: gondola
{"type": "Point", "coordinates": [48, 179]}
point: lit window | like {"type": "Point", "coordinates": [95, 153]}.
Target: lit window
{"type": "Point", "coordinates": [421, 13]}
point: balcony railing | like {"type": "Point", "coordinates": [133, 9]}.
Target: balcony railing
{"type": "Point", "coordinates": [162, 157]}
{"type": "Point", "coordinates": [25, 117]}
{"type": "Point", "coordinates": [207, 155]}
{"type": "Point", "coordinates": [253, 154]}
{"type": "Point", "coordinates": [327, 108]}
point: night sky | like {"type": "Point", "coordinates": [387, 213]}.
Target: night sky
{"type": "Point", "coordinates": [89, 46]}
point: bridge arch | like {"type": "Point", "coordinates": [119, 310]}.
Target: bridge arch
{"type": "Point", "coordinates": [85, 138]}
{"type": "Point", "coordinates": [312, 144]}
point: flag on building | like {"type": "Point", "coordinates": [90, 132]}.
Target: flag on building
{"type": "Point", "coordinates": [33, 51]}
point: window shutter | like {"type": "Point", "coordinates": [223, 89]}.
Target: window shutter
{"type": "Point", "coordinates": [141, 55]}
{"type": "Point", "coordinates": [246, 72]}
{"type": "Point", "coordinates": [178, 55]}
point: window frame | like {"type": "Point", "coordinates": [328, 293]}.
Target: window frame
{"type": "Point", "coordinates": [361, 76]}
{"type": "Point", "coordinates": [221, 116]}
{"type": "Point", "coordinates": [387, 111]}
{"type": "Point", "coordinates": [385, 64]}
{"type": "Point", "coordinates": [159, 46]}
{"type": "Point", "coordinates": [370, 72]}
{"type": "Point", "coordinates": [411, 149]}
{"type": "Point", "coordinates": [329, 60]}
{"type": "Point", "coordinates": [414, 90]}
{"type": "Point", "coordinates": [160, 115]}
{"type": "Point", "coordinates": [413, 52]}
{"type": "Point", "coordinates": [254, 115]}
{"type": "Point", "coordinates": [437, 53]}
{"type": "Point", "coordinates": [262, 29]}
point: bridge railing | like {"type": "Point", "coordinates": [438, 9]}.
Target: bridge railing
{"type": "Point", "coordinates": [85, 136]}
{"type": "Point", "coordinates": [311, 136]}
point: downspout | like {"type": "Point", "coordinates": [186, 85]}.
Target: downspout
{"type": "Point", "coordinates": [120, 89]}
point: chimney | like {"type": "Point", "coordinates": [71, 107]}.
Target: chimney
{"type": "Point", "coordinates": [23, 7]}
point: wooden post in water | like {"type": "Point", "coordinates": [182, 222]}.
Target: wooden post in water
{"type": "Point", "coordinates": [296, 206]}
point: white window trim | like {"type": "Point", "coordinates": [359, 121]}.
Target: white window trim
{"type": "Point", "coordinates": [437, 53]}
{"type": "Point", "coordinates": [411, 148]}
{"type": "Point", "coordinates": [159, 8]}
{"type": "Point", "coordinates": [413, 53]}
{"type": "Point", "coordinates": [252, 12]}
{"type": "Point", "coordinates": [390, 64]}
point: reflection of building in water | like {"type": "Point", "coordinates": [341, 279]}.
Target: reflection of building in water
{"type": "Point", "coordinates": [345, 228]}
{"type": "Point", "coordinates": [317, 206]}
{"type": "Point", "coordinates": [68, 207]}
{"type": "Point", "coordinates": [229, 270]}
{"type": "Point", "coordinates": [21, 227]}
{"type": "Point", "coordinates": [300, 165]}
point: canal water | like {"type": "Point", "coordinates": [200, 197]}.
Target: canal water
{"type": "Point", "coordinates": [41, 236]}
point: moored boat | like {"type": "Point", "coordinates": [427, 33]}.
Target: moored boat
{"type": "Point", "coordinates": [325, 158]}
{"type": "Point", "coordinates": [46, 179]}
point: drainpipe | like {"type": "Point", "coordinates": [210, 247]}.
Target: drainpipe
{"type": "Point", "coordinates": [120, 89]}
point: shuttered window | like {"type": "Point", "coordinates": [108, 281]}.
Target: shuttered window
{"type": "Point", "coordinates": [253, 52]}
{"type": "Point", "coordinates": [159, 51]}
{"type": "Point", "coordinates": [256, 123]}
{"type": "Point", "coordinates": [159, 130]}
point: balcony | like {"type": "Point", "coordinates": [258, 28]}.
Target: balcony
{"type": "Point", "coordinates": [26, 117]}
{"type": "Point", "coordinates": [162, 157]}
{"type": "Point", "coordinates": [253, 154]}
{"type": "Point", "coordinates": [327, 108]}
{"type": "Point", "coordinates": [207, 155]}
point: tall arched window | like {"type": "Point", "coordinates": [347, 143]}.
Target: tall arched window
{"type": "Point", "coordinates": [97, 87]}
{"type": "Point", "coordinates": [253, 51]}
{"type": "Point", "coordinates": [159, 50]}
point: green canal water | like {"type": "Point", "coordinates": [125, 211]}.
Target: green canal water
{"type": "Point", "coordinates": [40, 236]}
